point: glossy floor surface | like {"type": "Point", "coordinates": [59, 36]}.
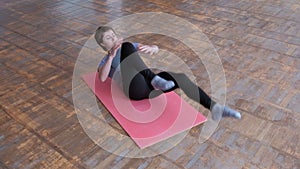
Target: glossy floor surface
{"type": "Point", "coordinates": [257, 41]}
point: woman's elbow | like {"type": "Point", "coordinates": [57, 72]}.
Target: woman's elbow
{"type": "Point", "coordinates": [102, 78]}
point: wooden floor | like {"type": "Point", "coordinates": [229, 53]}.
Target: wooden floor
{"type": "Point", "coordinates": [258, 42]}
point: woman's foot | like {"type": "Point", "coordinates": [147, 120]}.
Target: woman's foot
{"type": "Point", "coordinates": [162, 84]}
{"type": "Point", "coordinates": [219, 111]}
{"type": "Point", "coordinates": [228, 112]}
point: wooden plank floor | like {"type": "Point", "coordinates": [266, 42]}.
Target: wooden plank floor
{"type": "Point", "coordinates": [259, 46]}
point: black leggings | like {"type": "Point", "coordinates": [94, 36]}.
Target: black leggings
{"type": "Point", "coordinates": [136, 78]}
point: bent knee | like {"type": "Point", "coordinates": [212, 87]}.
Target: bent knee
{"type": "Point", "coordinates": [128, 45]}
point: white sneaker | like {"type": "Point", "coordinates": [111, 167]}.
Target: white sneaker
{"type": "Point", "coordinates": [219, 111]}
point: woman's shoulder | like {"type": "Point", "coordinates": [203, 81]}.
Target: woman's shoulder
{"type": "Point", "coordinates": [103, 60]}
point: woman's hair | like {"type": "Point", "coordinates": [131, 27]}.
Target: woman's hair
{"type": "Point", "coordinates": [99, 34]}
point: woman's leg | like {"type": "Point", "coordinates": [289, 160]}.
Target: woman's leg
{"type": "Point", "coordinates": [197, 94]}
{"type": "Point", "coordinates": [138, 89]}
{"type": "Point", "coordinates": [138, 79]}
{"type": "Point", "coordinates": [131, 63]}
{"type": "Point", "coordinates": [138, 83]}
{"type": "Point", "coordinates": [134, 73]}
{"type": "Point", "coordinates": [189, 88]}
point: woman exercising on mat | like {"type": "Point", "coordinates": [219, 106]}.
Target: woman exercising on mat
{"type": "Point", "coordinates": [139, 82]}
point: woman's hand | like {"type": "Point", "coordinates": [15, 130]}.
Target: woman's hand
{"type": "Point", "coordinates": [149, 49]}
{"type": "Point", "coordinates": [112, 52]}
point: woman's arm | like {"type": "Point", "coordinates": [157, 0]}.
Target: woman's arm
{"type": "Point", "coordinates": [153, 49]}
{"type": "Point", "coordinates": [104, 70]}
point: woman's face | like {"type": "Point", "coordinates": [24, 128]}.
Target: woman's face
{"type": "Point", "coordinates": [109, 39]}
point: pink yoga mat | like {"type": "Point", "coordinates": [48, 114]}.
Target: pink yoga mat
{"type": "Point", "coordinates": [146, 121]}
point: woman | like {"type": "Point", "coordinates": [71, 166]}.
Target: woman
{"type": "Point", "coordinates": [139, 82]}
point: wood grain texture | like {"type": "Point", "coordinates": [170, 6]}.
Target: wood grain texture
{"type": "Point", "coordinates": [259, 46]}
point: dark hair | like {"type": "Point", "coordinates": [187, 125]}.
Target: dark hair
{"type": "Point", "coordinates": [99, 34]}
